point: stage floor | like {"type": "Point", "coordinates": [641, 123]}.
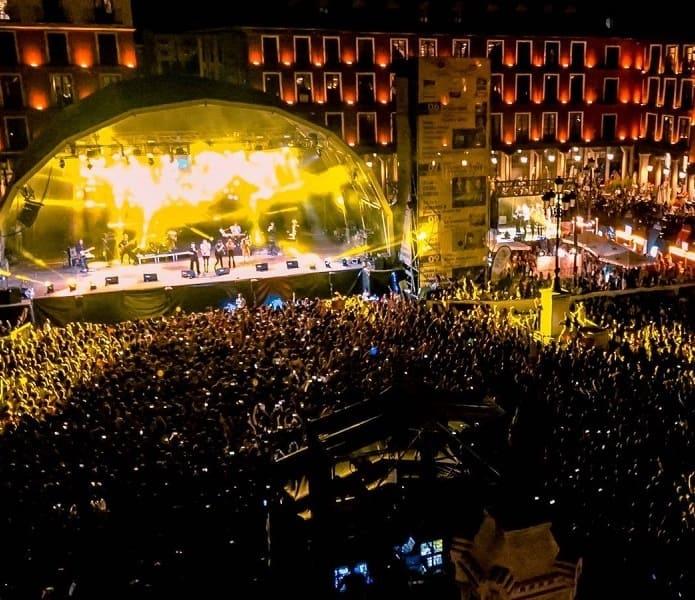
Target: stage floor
{"type": "Point", "coordinates": [131, 277]}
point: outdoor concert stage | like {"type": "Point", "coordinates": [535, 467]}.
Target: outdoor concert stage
{"type": "Point", "coordinates": [134, 298]}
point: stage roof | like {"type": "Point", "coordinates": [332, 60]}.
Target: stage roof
{"type": "Point", "coordinates": [164, 114]}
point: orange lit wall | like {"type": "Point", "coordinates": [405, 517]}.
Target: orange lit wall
{"type": "Point", "coordinates": [126, 49]}
{"type": "Point", "coordinates": [31, 48]}
{"type": "Point", "coordinates": [82, 47]}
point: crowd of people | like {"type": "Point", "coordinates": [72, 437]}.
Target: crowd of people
{"type": "Point", "coordinates": [521, 279]}
{"type": "Point", "coordinates": [134, 455]}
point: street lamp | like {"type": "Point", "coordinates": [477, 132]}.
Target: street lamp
{"type": "Point", "coordinates": [560, 202]}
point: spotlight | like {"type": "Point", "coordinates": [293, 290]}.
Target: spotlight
{"type": "Point", "coordinates": [49, 288]}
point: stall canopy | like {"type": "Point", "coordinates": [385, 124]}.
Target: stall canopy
{"type": "Point", "coordinates": [608, 251]}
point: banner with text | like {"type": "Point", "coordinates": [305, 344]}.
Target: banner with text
{"type": "Point", "coordinates": [453, 164]}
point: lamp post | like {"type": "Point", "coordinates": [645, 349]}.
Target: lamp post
{"type": "Point", "coordinates": [559, 202]}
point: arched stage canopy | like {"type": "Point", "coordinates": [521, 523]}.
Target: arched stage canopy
{"type": "Point", "coordinates": [150, 154]}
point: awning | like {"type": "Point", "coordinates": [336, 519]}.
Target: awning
{"type": "Point", "coordinates": [608, 251]}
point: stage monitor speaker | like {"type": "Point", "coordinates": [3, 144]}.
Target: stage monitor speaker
{"type": "Point", "coordinates": [113, 280]}
{"type": "Point", "coordinates": [28, 214]}
{"type": "Point", "coordinates": [149, 277]}
{"type": "Point", "coordinates": [261, 266]}
{"type": "Point", "coordinates": [188, 274]}
{"type": "Point", "coordinates": [11, 295]}
{"type": "Point", "coordinates": [222, 271]}
{"type": "Point", "coordinates": [292, 264]}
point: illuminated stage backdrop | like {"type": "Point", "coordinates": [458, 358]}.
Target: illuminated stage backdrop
{"type": "Point", "coordinates": [195, 167]}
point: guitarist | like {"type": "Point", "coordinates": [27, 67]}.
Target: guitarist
{"type": "Point", "coordinates": [126, 248]}
{"type": "Point", "coordinates": [82, 253]}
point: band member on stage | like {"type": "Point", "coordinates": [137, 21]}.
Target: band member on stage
{"type": "Point", "coordinates": [205, 248]}
{"type": "Point", "coordinates": [246, 247]}
{"type": "Point", "coordinates": [229, 246]}
{"type": "Point", "coordinates": [219, 254]}
{"type": "Point", "coordinates": [292, 233]}
{"type": "Point", "coordinates": [125, 248]}
{"type": "Point", "coordinates": [272, 248]}
{"type": "Point", "coordinates": [194, 259]}
{"type": "Point", "coordinates": [81, 251]}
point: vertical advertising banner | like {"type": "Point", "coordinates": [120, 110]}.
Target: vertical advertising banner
{"type": "Point", "coordinates": [453, 164]}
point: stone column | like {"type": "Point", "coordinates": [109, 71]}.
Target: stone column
{"type": "Point", "coordinates": [675, 182]}
{"type": "Point", "coordinates": [643, 173]}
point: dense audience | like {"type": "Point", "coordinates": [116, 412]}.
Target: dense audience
{"type": "Point", "coordinates": [134, 455]}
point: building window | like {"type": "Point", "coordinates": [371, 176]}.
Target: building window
{"type": "Point", "coordinates": [610, 90]}
{"type": "Point", "coordinates": [650, 126]}
{"type": "Point", "coordinates": [334, 122]}
{"type": "Point", "coordinates": [302, 50]}
{"type": "Point", "coordinates": [577, 55]}
{"type": "Point", "coordinates": [17, 133]}
{"type": "Point", "coordinates": [667, 129]}
{"type": "Point", "coordinates": [365, 88]}
{"type": "Point", "coordinates": [57, 44]}
{"type": "Point", "coordinates": [609, 126]}
{"type": "Point", "coordinates": [272, 84]}
{"type": "Point", "coordinates": [576, 88]}
{"type": "Point", "coordinates": [366, 128]}
{"type": "Point", "coordinates": [495, 52]}
{"type": "Point", "coordinates": [524, 50]}
{"type": "Point", "coordinates": [399, 49]}
{"type": "Point", "coordinates": [62, 92]}
{"type": "Point", "coordinates": [576, 126]}
{"type": "Point", "coordinates": [652, 90]}
{"type": "Point", "coordinates": [270, 45]}
{"type": "Point", "coordinates": [365, 51]}
{"type": "Point", "coordinates": [654, 58]}
{"type": "Point", "coordinates": [522, 126]}
{"type": "Point", "coordinates": [683, 128]}
{"type": "Point", "coordinates": [303, 86]}
{"type": "Point", "coordinates": [523, 88]}
{"type": "Point", "coordinates": [552, 54]}
{"type": "Point", "coordinates": [689, 59]}
{"type": "Point", "coordinates": [550, 88]}
{"type": "Point", "coordinates": [103, 11]}
{"type": "Point", "coordinates": [53, 11]}
{"type": "Point", "coordinates": [496, 127]}
{"type": "Point", "coordinates": [331, 50]}
{"type": "Point", "coordinates": [669, 99]}
{"type": "Point", "coordinates": [333, 85]}
{"type": "Point", "coordinates": [11, 88]}
{"type": "Point", "coordinates": [428, 47]}
{"type": "Point", "coordinates": [671, 61]}
{"type": "Point", "coordinates": [687, 94]}
{"type": "Point", "coordinates": [612, 58]}
{"type": "Point", "coordinates": [461, 48]}
{"type": "Point", "coordinates": [8, 49]}
{"type": "Point", "coordinates": [106, 79]}
{"type": "Point", "coordinates": [108, 49]}
{"type": "Point", "coordinates": [549, 126]}
{"type": "Point", "coordinates": [497, 87]}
